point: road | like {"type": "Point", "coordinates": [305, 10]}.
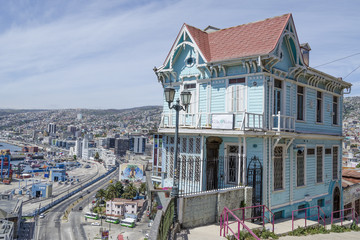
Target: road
{"type": "Point", "coordinates": [52, 227]}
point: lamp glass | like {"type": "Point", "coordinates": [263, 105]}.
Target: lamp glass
{"type": "Point", "coordinates": [169, 94]}
{"type": "Point", "coordinates": [185, 97]}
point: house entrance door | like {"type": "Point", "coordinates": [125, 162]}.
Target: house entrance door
{"type": "Point", "coordinates": [212, 162]}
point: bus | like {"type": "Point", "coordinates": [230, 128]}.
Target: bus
{"type": "Point", "coordinates": [92, 215]}
{"type": "Point", "coordinates": [128, 222]}
{"type": "Point", "coordinates": [112, 220]}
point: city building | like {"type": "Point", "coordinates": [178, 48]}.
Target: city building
{"type": "Point", "coordinates": [6, 230]}
{"type": "Point", "coordinates": [351, 190]}
{"type": "Point", "coordinates": [52, 129]}
{"type": "Point", "coordinates": [137, 144]}
{"type": "Point", "coordinates": [41, 190]}
{"type": "Point", "coordinates": [110, 143]}
{"type": "Point", "coordinates": [78, 148]}
{"type": "Point", "coordinates": [119, 207]}
{"type": "Point", "coordinates": [121, 146]}
{"type": "Point", "coordinates": [131, 172]}
{"type": "Point", "coordinates": [57, 174]}
{"type": "Point", "coordinates": [259, 116]}
{"type": "Point", "coordinates": [11, 210]}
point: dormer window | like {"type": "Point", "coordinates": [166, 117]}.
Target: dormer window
{"type": "Point", "coordinates": [190, 62]}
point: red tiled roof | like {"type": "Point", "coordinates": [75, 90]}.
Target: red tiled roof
{"type": "Point", "coordinates": [250, 39]}
{"type": "Point", "coordinates": [350, 173]}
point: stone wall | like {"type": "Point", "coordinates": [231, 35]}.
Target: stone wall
{"type": "Point", "coordinates": [205, 208]}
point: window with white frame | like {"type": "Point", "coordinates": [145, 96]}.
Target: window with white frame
{"type": "Point", "coordinates": [335, 161]}
{"type": "Point", "coordinates": [335, 110]}
{"type": "Point", "coordinates": [300, 168]}
{"type": "Point", "coordinates": [319, 164]}
{"type": "Point", "coordinates": [236, 95]}
{"type": "Point", "coordinates": [192, 106]}
{"type": "Point", "coordinates": [319, 110]}
{"type": "Point", "coordinates": [278, 168]}
{"type": "Point", "coordinates": [300, 103]}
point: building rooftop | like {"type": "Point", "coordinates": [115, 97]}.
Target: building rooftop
{"type": "Point", "coordinates": [10, 208]}
{"type": "Point", "coordinates": [256, 38]}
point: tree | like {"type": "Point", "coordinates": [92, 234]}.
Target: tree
{"type": "Point", "coordinates": [142, 188]}
{"type": "Point", "coordinates": [111, 192]}
{"type": "Point", "coordinates": [130, 191]}
{"type": "Point", "coordinates": [100, 195]}
{"type": "Point", "coordinates": [97, 156]}
{"type": "Point", "coordinates": [74, 157]}
{"type": "Point", "coordinates": [358, 166]}
{"type": "Point", "coordinates": [119, 189]}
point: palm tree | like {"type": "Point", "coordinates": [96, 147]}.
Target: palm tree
{"type": "Point", "coordinates": [111, 192]}
{"type": "Point", "coordinates": [142, 188]}
{"type": "Point", "coordinates": [130, 191]}
{"type": "Point", "coordinates": [119, 189]}
{"type": "Point", "coordinates": [100, 195]}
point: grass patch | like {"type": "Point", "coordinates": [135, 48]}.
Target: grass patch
{"type": "Point", "coordinates": [261, 233]}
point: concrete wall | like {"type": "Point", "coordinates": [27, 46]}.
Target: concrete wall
{"type": "Point", "coordinates": [206, 208]}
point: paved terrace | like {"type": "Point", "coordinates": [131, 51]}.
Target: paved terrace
{"type": "Point", "coordinates": [283, 226]}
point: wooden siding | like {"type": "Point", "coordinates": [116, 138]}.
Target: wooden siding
{"type": "Point", "coordinates": [218, 96]}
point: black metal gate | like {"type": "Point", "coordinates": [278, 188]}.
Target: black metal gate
{"type": "Point", "coordinates": [254, 180]}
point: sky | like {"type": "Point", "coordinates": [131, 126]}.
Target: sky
{"type": "Point", "coordinates": [100, 54]}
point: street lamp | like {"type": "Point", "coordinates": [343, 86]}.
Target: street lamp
{"type": "Point", "coordinates": [185, 100]}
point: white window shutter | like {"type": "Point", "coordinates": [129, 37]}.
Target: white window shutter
{"type": "Point", "coordinates": [241, 98]}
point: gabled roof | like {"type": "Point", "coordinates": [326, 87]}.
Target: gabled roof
{"type": "Point", "coordinates": [250, 39]}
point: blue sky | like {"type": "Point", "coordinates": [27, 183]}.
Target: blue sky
{"type": "Point", "coordinates": [100, 54]}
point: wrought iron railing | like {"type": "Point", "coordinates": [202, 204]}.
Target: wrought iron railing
{"type": "Point", "coordinates": [225, 225]}
{"type": "Point", "coordinates": [318, 214]}
{"type": "Point", "coordinates": [344, 213]}
{"type": "Point", "coordinates": [198, 175]}
{"type": "Point", "coordinates": [261, 209]}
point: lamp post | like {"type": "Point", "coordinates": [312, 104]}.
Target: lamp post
{"type": "Point", "coordinates": [185, 100]}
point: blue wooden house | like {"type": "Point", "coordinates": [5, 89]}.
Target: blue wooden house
{"type": "Point", "coordinates": [259, 116]}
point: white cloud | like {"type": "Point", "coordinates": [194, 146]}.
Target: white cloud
{"type": "Point", "coordinates": [101, 53]}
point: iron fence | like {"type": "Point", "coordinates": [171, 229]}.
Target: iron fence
{"type": "Point", "coordinates": [198, 175]}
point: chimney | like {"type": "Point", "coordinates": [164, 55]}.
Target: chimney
{"type": "Point", "coordinates": [210, 29]}
{"type": "Point", "coordinates": [305, 50]}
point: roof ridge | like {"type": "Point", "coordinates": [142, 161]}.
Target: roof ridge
{"type": "Point", "coordinates": [266, 19]}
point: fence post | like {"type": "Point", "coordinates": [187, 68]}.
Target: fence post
{"type": "Point", "coordinates": [342, 215]}
{"type": "Point", "coordinates": [263, 214]}
{"type": "Point", "coordinates": [292, 218]}
{"type": "Point", "coordinates": [318, 214]}
{"type": "Point", "coordinates": [305, 216]}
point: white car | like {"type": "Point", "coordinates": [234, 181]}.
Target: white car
{"type": "Point", "coordinates": [95, 224]}
{"type": "Point", "coordinates": [42, 215]}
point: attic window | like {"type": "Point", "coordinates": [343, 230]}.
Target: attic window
{"type": "Point", "coordinates": [190, 62]}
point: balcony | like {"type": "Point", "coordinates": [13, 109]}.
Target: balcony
{"type": "Point", "coordinates": [283, 123]}
{"type": "Point", "coordinates": [229, 121]}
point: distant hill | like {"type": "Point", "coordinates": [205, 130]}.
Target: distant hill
{"type": "Point", "coordinates": [4, 112]}
{"type": "Point", "coordinates": [352, 107]}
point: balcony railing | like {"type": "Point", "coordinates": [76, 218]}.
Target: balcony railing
{"type": "Point", "coordinates": [283, 123]}
{"type": "Point", "coordinates": [236, 121]}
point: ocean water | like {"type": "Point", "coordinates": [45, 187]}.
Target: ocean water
{"type": "Point", "coordinates": [12, 148]}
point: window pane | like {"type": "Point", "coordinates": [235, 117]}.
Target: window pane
{"type": "Point", "coordinates": [335, 163]}
{"type": "Point", "coordinates": [300, 168]}
{"type": "Point", "coordinates": [319, 164]}
{"type": "Point", "coordinates": [278, 168]}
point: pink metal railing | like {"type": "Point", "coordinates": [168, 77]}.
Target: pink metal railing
{"type": "Point", "coordinates": [262, 216]}
{"type": "Point", "coordinates": [354, 215]}
{"type": "Point", "coordinates": [319, 210]}
{"type": "Point", "coordinates": [225, 225]}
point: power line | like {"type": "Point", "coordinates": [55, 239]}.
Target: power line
{"type": "Point", "coordinates": [337, 60]}
{"type": "Point", "coordinates": [352, 71]}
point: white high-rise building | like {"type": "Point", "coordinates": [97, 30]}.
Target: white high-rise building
{"type": "Point", "coordinates": [85, 149]}
{"type": "Point", "coordinates": [78, 148]}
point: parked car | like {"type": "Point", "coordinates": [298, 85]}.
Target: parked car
{"type": "Point", "coordinates": [95, 224]}
{"type": "Point", "coordinates": [80, 208]}
{"type": "Point", "coordinates": [42, 215]}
